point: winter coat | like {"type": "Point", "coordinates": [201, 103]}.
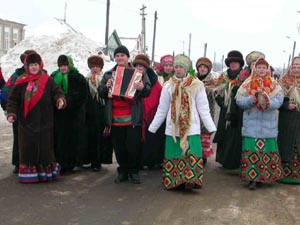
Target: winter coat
{"type": "Point", "coordinates": [257, 123]}
{"type": "Point", "coordinates": [70, 122]}
{"type": "Point", "coordinates": [35, 132]}
{"type": "Point", "coordinates": [289, 131]}
{"type": "Point", "coordinates": [199, 108]}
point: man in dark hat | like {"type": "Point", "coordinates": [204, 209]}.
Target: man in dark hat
{"type": "Point", "coordinates": [6, 91]}
{"type": "Point", "coordinates": [228, 135]}
{"type": "Point", "coordinates": [125, 120]}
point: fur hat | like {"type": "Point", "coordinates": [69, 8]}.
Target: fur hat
{"type": "Point", "coordinates": [167, 60]}
{"type": "Point", "coordinates": [204, 61]}
{"type": "Point", "coordinates": [122, 49]}
{"type": "Point", "coordinates": [253, 56]}
{"type": "Point", "coordinates": [95, 60]}
{"type": "Point", "coordinates": [142, 60]}
{"type": "Point", "coordinates": [33, 58]}
{"type": "Point", "coordinates": [260, 61]}
{"type": "Point", "coordinates": [24, 54]}
{"type": "Point", "coordinates": [184, 61]}
{"type": "Point", "coordinates": [234, 56]}
{"type": "Point", "coordinates": [63, 61]}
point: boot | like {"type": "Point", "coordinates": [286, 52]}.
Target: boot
{"type": "Point", "coordinates": [135, 178]}
{"type": "Point", "coordinates": [252, 185]}
{"type": "Point", "coordinates": [121, 177]}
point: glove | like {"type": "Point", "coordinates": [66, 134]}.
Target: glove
{"type": "Point", "coordinates": [219, 100]}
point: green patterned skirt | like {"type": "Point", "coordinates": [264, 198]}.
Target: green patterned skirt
{"type": "Point", "coordinates": [180, 169]}
{"type": "Point", "coordinates": [260, 160]}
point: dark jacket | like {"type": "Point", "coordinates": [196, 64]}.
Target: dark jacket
{"type": "Point", "coordinates": [70, 123]}
{"type": "Point", "coordinates": [288, 131]}
{"type": "Point", "coordinates": [136, 108]}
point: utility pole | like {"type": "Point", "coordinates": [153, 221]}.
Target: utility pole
{"type": "Point", "coordinates": [190, 40]}
{"type": "Point", "coordinates": [294, 47]}
{"type": "Point", "coordinates": [214, 64]}
{"type": "Point", "coordinates": [154, 35]}
{"type": "Point", "coordinates": [107, 26]}
{"type": "Point", "coordinates": [143, 28]}
{"type": "Point", "coordinates": [65, 12]}
{"type": "Point", "coordinates": [222, 63]}
{"type": "Point", "coordinates": [205, 48]}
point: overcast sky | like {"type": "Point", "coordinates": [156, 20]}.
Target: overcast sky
{"type": "Point", "coordinates": [225, 25]}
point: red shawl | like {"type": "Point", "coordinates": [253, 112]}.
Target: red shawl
{"type": "Point", "coordinates": [34, 90]}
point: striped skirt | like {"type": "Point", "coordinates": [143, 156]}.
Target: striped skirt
{"type": "Point", "coordinates": [40, 173]}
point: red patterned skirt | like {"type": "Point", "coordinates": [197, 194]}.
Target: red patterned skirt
{"type": "Point", "coordinates": [292, 170]}
{"type": "Point", "coordinates": [260, 161]}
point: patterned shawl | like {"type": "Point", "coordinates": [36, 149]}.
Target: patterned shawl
{"type": "Point", "coordinates": [182, 92]}
{"type": "Point", "coordinates": [290, 84]}
{"type": "Point", "coordinates": [264, 88]}
{"type": "Point", "coordinates": [223, 86]}
{"type": "Point", "coordinates": [255, 83]}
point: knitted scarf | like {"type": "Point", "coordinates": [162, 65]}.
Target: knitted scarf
{"type": "Point", "coordinates": [182, 92]}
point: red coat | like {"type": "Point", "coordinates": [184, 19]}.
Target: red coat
{"type": "Point", "coordinates": [150, 106]}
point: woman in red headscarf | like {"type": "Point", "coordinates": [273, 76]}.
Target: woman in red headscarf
{"type": "Point", "coordinates": [289, 124]}
{"type": "Point", "coordinates": [33, 99]}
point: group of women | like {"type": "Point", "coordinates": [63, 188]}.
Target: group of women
{"type": "Point", "coordinates": [63, 118]}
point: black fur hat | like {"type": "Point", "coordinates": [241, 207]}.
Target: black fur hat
{"type": "Point", "coordinates": [122, 49]}
{"type": "Point", "coordinates": [33, 58]}
{"type": "Point", "coordinates": [234, 56]}
{"type": "Point", "coordinates": [63, 61]}
{"type": "Point", "coordinates": [27, 52]}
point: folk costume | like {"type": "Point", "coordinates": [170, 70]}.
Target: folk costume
{"type": "Point", "coordinates": [260, 156]}
{"type": "Point", "coordinates": [6, 91]}
{"type": "Point", "coordinates": [70, 122]}
{"type": "Point", "coordinates": [228, 136]}
{"type": "Point", "coordinates": [32, 102]}
{"type": "Point", "coordinates": [289, 124]}
{"type": "Point", "coordinates": [183, 101]}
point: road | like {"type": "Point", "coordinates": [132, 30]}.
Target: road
{"type": "Point", "coordinates": [92, 198]}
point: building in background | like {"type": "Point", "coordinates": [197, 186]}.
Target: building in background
{"type": "Point", "coordinates": [132, 43]}
{"type": "Point", "coordinates": [11, 33]}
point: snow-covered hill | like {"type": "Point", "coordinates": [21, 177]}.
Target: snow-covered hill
{"type": "Point", "coordinates": [51, 39]}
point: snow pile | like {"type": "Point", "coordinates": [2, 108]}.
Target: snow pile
{"type": "Point", "coordinates": [51, 39]}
